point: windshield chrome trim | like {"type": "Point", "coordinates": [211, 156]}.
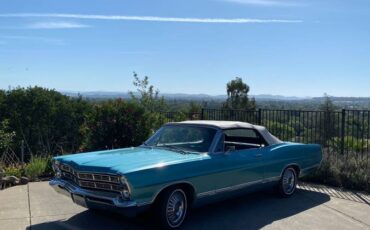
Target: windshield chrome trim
{"type": "Point", "coordinates": [211, 147]}
{"type": "Point", "coordinates": [217, 138]}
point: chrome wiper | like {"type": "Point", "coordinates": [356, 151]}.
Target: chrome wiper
{"type": "Point", "coordinates": [173, 147]}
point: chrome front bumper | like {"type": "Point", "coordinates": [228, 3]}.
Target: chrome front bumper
{"type": "Point", "coordinates": [93, 199]}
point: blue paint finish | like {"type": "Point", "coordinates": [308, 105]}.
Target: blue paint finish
{"type": "Point", "coordinates": [126, 160]}
{"type": "Point", "coordinates": [149, 170]}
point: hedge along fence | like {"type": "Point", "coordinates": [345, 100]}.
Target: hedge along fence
{"type": "Point", "coordinates": [98, 126]}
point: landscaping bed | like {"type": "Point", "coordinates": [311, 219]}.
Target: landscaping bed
{"type": "Point", "coordinates": [38, 169]}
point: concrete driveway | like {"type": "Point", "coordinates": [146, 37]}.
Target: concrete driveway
{"type": "Point", "coordinates": [36, 206]}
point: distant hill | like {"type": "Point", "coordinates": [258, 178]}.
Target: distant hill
{"type": "Point", "coordinates": [263, 100]}
{"type": "Point", "coordinates": [180, 96]}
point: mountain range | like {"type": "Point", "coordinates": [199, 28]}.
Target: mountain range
{"type": "Point", "coordinates": [179, 96]}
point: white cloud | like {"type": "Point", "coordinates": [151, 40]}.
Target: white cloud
{"type": "Point", "coordinates": [52, 41]}
{"type": "Point", "coordinates": [265, 2]}
{"type": "Point", "coordinates": [153, 19]}
{"type": "Point", "coordinates": [55, 25]}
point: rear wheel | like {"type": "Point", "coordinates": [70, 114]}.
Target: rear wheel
{"type": "Point", "coordinates": [288, 182]}
{"type": "Point", "coordinates": [172, 208]}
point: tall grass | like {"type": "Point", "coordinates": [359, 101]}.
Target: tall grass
{"type": "Point", "coordinates": [348, 171]}
{"type": "Point", "coordinates": [36, 167]}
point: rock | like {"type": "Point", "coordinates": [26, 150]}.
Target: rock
{"type": "Point", "coordinates": [2, 173]}
{"type": "Point", "coordinates": [10, 180]}
{"type": "Point", "coordinates": [23, 180]}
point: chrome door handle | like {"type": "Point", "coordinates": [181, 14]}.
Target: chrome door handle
{"type": "Point", "coordinates": [258, 155]}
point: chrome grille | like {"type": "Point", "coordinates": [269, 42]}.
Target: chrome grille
{"type": "Point", "coordinates": [92, 180]}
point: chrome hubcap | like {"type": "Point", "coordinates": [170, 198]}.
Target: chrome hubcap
{"type": "Point", "coordinates": [289, 181]}
{"type": "Point", "coordinates": [176, 208]}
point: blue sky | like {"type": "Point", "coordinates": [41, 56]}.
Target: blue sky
{"type": "Point", "coordinates": [285, 47]}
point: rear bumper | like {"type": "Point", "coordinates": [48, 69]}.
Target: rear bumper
{"type": "Point", "coordinates": [96, 199]}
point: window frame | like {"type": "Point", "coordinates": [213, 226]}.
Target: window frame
{"type": "Point", "coordinates": [212, 146]}
{"type": "Point", "coordinates": [222, 138]}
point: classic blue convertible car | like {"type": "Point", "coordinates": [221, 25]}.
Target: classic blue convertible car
{"type": "Point", "coordinates": [184, 164]}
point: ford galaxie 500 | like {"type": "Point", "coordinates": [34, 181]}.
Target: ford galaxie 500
{"type": "Point", "coordinates": [184, 164]}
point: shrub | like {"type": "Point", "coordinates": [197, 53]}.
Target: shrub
{"type": "Point", "coordinates": [6, 135]}
{"type": "Point", "coordinates": [14, 170]}
{"type": "Point", "coordinates": [36, 167]}
{"type": "Point", "coordinates": [116, 124]}
{"type": "Point", "coordinates": [45, 119]}
{"type": "Point", "coordinates": [348, 171]}
{"type": "Point", "coordinates": [49, 169]}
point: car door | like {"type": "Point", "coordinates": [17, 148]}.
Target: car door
{"type": "Point", "coordinates": [241, 164]}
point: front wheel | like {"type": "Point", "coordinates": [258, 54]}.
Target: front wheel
{"type": "Point", "coordinates": [288, 182]}
{"type": "Point", "coordinates": [172, 208]}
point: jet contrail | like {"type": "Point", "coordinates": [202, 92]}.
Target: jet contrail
{"type": "Point", "coordinates": [151, 18]}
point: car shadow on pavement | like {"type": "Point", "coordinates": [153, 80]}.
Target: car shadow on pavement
{"type": "Point", "coordinates": [252, 211]}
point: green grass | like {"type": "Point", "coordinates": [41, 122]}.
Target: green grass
{"type": "Point", "coordinates": [37, 167]}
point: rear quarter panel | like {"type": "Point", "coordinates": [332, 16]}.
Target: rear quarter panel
{"type": "Point", "coordinates": [278, 157]}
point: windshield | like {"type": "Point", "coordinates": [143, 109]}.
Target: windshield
{"type": "Point", "coordinates": [183, 138]}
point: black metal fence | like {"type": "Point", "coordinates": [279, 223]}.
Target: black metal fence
{"type": "Point", "coordinates": [344, 135]}
{"type": "Point", "coordinates": [180, 116]}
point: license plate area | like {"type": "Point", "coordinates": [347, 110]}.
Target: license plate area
{"type": "Point", "coordinates": [80, 200]}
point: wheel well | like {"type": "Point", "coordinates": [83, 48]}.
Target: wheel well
{"type": "Point", "coordinates": [188, 189]}
{"type": "Point", "coordinates": [296, 168]}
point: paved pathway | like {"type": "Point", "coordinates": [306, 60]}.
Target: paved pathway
{"type": "Point", "coordinates": [36, 206]}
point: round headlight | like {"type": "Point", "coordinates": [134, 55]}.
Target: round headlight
{"type": "Point", "coordinates": [126, 194]}
{"type": "Point", "coordinates": [126, 191]}
{"type": "Point", "coordinates": [58, 174]}
{"type": "Point", "coordinates": [55, 165]}
{"type": "Point", "coordinates": [123, 180]}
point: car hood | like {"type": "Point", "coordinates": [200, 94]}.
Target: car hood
{"type": "Point", "coordinates": [127, 160]}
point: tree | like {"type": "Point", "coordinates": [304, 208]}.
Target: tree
{"type": "Point", "coordinates": [328, 121]}
{"type": "Point", "coordinates": [6, 135]}
{"type": "Point", "coordinates": [237, 96]}
{"type": "Point", "coordinates": [148, 97]}
{"type": "Point", "coordinates": [328, 104]}
{"type": "Point", "coordinates": [194, 107]}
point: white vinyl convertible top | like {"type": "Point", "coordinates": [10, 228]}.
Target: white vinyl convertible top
{"type": "Point", "coordinates": [270, 139]}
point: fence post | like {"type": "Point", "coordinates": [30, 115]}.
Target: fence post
{"type": "Point", "coordinates": [342, 134]}
{"type": "Point", "coordinates": [259, 116]}
{"type": "Point", "coordinates": [202, 114]}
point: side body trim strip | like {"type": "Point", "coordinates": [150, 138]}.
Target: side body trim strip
{"type": "Point", "coordinates": [237, 187]}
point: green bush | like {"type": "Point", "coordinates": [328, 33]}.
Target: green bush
{"type": "Point", "coordinates": [117, 124]}
{"type": "Point", "coordinates": [36, 167]}
{"type": "Point", "coordinates": [44, 119]}
{"type": "Point", "coordinates": [49, 169]}
{"type": "Point", "coordinates": [343, 171]}
{"type": "Point", "coordinates": [14, 170]}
